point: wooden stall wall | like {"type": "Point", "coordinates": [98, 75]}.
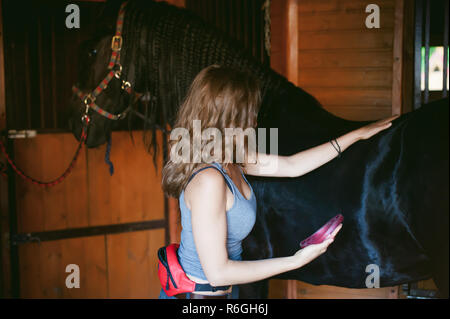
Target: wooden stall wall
{"type": "Point", "coordinates": [341, 62]}
{"type": "Point", "coordinates": [116, 265]}
{"type": "Point", "coordinates": [325, 48]}
{"type": "Point", "coordinates": [345, 65]}
{"type": "Point", "coordinates": [125, 212]}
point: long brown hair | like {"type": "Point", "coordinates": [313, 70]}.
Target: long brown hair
{"type": "Point", "coordinates": [220, 97]}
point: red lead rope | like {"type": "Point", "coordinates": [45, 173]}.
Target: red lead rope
{"type": "Point", "coordinates": [116, 45]}
{"type": "Point", "coordinates": [55, 181]}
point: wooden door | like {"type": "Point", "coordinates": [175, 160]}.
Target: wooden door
{"type": "Point", "coordinates": [109, 226]}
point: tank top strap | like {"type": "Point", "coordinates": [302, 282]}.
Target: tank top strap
{"type": "Point", "coordinates": [220, 169]}
{"type": "Point", "coordinates": [243, 175]}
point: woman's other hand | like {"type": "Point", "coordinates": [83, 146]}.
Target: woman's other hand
{"type": "Point", "coordinates": [311, 252]}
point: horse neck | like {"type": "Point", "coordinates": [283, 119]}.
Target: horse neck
{"type": "Point", "coordinates": [300, 117]}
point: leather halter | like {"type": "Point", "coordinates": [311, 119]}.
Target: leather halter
{"type": "Point", "coordinates": [115, 72]}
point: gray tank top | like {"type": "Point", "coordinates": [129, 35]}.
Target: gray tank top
{"type": "Point", "coordinates": [240, 221]}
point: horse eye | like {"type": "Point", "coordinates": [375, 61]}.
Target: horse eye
{"type": "Point", "coordinates": [92, 53]}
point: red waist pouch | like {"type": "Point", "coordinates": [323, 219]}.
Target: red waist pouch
{"type": "Point", "coordinates": [172, 276]}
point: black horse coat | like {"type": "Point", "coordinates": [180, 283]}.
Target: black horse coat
{"type": "Point", "coordinates": [392, 189]}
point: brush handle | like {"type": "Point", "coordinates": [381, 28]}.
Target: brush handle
{"type": "Point", "coordinates": [322, 234]}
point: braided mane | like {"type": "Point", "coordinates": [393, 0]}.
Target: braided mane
{"type": "Point", "coordinates": [169, 46]}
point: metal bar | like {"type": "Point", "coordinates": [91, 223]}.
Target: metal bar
{"type": "Point", "coordinates": [253, 14]}
{"type": "Point", "coordinates": [27, 83]}
{"type": "Point", "coordinates": [418, 54]}
{"type": "Point", "coordinates": [18, 239]}
{"type": "Point", "coordinates": [2, 74]}
{"type": "Point", "coordinates": [53, 75]}
{"type": "Point", "coordinates": [445, 45]}
{"type": "Point", "coordinates": [41, 71]}
{"type": "Point", "coordinates": [13, 250]}
{"type": "Point", "coordinates": [426, 95]}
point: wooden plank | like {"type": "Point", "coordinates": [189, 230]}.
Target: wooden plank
{"type": "Point", "coordinates": [132, 264]}
{"type": "Point", "coordinates": [43, 268]}
{"type": "Point", "coordinates": [346, 77]}
{"type": "Point", "coordinates": [360, 113]}
{"type": "Point", "coordinates": [292, 42]}
{"type": "Point", "coordinates": [90, 255]}
{"type": "Point", "coordinates": [342, 58]}
{"type": "Point", "coordinates": [351, 97]}
{"type": "Point", "coordinates": [278, 289]}
{"type": "Point", "coordinates": [278, 33]}
{"type": "Point", "coordinates": [307, 291]}
{"type": "Point", "coordinates": [134, 192]}
{"type": "Point", "coordinates": [397, 66]}
{"type": "Point", "coordinates": [343, 21]}
{"type": "Point", "coordinates": [63, 206]}
{"type": "Point", "coordinates": [408, 58]}
{"type": "Point", "coordinates": [326, 6]}
{"type": "Point", "coordinates": [335, 39]}
{"type": "Point", "coordinates": [30, 269]}
{"type": "Point", "coordinates": [278, 13]}
{"type": "Point", "coordinates": [5, 262]}
{"type": "Point", "coordinates": [174, 220]}
{"type": "Point", "coordinates": [292, 291]}
{"type": "Point", "coordinates": [2, 75]}
{"type": "Point", "coordinates": [278, 61]}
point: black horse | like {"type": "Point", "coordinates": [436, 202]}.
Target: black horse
{"type": "Point", "coordinates": [391, 189]}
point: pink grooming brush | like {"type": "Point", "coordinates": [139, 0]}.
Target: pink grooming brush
{"type": "Point", "coordinates": [322, 234]}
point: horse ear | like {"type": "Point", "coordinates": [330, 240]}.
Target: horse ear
{"type": "Point", "coordinates": [107, 16]}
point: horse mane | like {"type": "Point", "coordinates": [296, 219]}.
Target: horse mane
{"type": "Point", "coordinates": [168, 46]}
{"type": "Point", "coordinates": [165, 47]}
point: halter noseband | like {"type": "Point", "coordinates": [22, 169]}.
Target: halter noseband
{"type": "Point", "coordinates": [115, 72]}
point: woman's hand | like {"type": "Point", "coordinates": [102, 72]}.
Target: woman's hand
{"type": "Point", "coordinates": [311, 252]}
{"type": "Point", "coordinates": [370, 130]}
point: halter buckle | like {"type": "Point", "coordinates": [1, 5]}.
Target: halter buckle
{"type": "Point", "coordinates": [125, 85]}
{"type": "Point", "coordinates": [88, 100]}
{"type": "Point", "coordinates": [116, 43]}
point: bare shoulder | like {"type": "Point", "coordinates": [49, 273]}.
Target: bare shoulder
{"type": "Point", "coordinates": [207, 184]}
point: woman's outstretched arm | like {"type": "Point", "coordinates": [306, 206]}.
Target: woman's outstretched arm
{"type": "Point", "coordinates": [306, 161]}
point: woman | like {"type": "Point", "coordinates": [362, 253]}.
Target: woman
{"type": "Point", "coordinates": [218, 206]}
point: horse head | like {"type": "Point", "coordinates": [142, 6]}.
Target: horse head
{"type": "Point", "coordinates": [100, 97]}
{"type": "Point", "coordinates": [162, 49]}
